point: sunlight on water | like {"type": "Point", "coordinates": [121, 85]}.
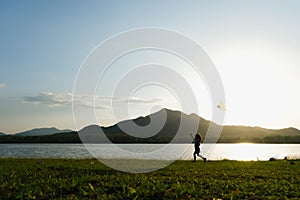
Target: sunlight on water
{"type": "Point", "coordinates": [243, 151]}
{"type": "Point", "coordinates": [248, 151]}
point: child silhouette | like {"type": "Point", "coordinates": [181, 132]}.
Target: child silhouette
{"type": "Point", "coordinates": [197, 141]}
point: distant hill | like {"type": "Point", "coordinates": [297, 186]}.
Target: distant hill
{"type": "Point", "coordinates": [69, 137]}
{"type": "Point", "coordinates": [1, 134]}
{"type": "Point", "coordinates": [164, 123]}
{"type": "Point", "coordinates": [41, 131]}
{"type": "Point", "coordinates": [230, 134]}
{"type": "Point", "coordinates": [259, 135]}
{"type": "Point", "coordinates": [162, 129]}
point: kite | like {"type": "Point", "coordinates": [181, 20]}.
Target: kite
{"type": "Point", "coordinates": [221, 106]}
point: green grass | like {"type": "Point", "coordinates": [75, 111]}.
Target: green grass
{"type": "Point", "coordinates": [89, 179]}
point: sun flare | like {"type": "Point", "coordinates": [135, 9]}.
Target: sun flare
{"type": "Point", "coordinates": [259, 88]}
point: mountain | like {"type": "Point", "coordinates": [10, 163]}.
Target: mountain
{"type": "Point", "coordinates": [140, 130]}
{"type": "Point", "coordinates": [68, 137]}
{"type": "Point", "coordinates": [2, 134]}
{"type": "Point", "coordinates": [42, 131]}
{"type": "Point", "coordinates": [163, 126]}
{"type": "Point", "coordinates": [257, 134]}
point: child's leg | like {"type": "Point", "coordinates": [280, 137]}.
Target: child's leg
{"type": "Point", "coordinates": [194, 156]}
{"type": "Point", "coordinates": [201, 157]}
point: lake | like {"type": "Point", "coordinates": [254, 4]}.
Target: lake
{"type": "Point", "coordinates": [141, 151]}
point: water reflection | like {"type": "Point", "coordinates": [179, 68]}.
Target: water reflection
{"type": "Point", "coordinates": [243, 151]}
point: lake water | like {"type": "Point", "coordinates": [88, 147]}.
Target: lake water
{"type": "Point", "coordinates": [145, 151]}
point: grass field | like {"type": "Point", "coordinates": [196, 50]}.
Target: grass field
{"type": "Point", "coordinates": [89, 179]}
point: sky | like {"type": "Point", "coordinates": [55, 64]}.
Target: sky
{"type": "Point", "coordinates": [254, 45]}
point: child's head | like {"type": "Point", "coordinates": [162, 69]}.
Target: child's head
{"type": "Point", "coordinates": [197, 136]}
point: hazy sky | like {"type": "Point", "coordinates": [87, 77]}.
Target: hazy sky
{"type": "Point", "coordinates": [255, 46]}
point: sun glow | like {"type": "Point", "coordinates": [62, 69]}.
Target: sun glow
{"type": "Point", "coordinates": [260, 84]}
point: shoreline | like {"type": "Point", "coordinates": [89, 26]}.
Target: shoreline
{"type": "Point", "coordinates": [148, 160]}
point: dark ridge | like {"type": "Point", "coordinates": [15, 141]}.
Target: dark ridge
{"type": "Point", "coordinates": [176, 128]}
